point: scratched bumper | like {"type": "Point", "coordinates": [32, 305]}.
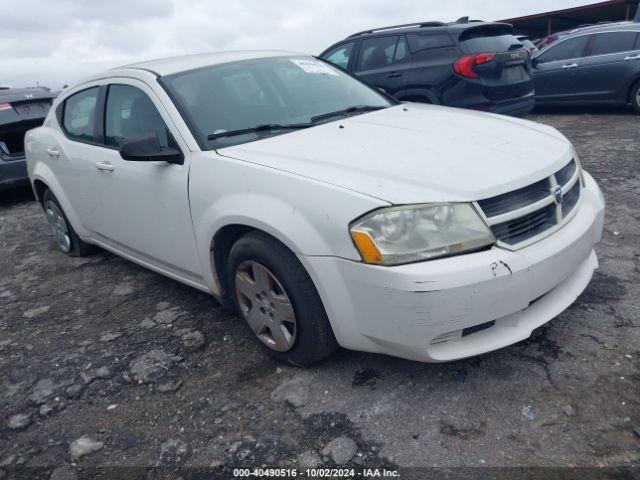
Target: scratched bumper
{"type": "Point", "coordinates": [420, 311]}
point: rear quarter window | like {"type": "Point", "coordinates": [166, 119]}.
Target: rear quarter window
{"type": "Point", "coordinates": [79, 115]}
{"type": "Point", "coordinates": [420, 42]}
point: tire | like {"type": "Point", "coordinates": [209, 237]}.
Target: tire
{"type": "Point", "coordinates": [65, 236]}
{"type": "Point", "coordinates": [635, 97]}
{"type": "Point", "coordinates": [301, 342]}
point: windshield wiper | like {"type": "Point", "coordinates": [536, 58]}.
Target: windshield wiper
{"type": "Point", "coordinates": [259, 128]}
{"type": "Point", "coordinates": [346, 111]}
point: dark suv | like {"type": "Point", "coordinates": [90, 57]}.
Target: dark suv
{"type": "Point", "coordinates": [468, 64]}
{"type": "Point", "coordinates": [595, 65]}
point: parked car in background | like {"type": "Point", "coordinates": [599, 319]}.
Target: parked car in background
{"type": "Point", "coordinates": [326, 212]}
{"type": "Point", "coordinates": [20, 110]}
{"type": "Point", "coordinates": [596, 65]}
{"type": "Point", "coordinates": [528, 44]}
{"type": "Point", "coordinates": [469, 64]}
{"type": "Point", "coordinates": [554, 37]}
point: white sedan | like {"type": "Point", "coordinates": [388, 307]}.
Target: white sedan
{"type": "Point", "coordinates": [324, 211]}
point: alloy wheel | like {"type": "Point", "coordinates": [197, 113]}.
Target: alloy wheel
{"type": "Point", "coordinates": [265, 306]}
{"type": "Point", "coordinates": [58, 226]}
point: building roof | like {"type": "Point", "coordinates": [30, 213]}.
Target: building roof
{"type": "Point", "coordinates": [542, 24]}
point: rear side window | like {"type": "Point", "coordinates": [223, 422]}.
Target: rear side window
{"type": "Point", "coordinates": [79, 115]}
{"type": "Point", "coordinates": [489, 40]}
{"type": "Point", "coordinates": [565, 50]}
{"type": "Point", "coordinates": [340, 55]}
{"type": "Point", "coordinates": [418, 42]}
{"type": "Point", "coordinates": [130, 112]}
{"type": "Point", "coordinates": [381, 51]}
{"type": "Point", "coordinates": [613, 42]}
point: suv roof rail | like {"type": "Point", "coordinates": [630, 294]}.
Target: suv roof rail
{"type": "Point", "coordinates": [417, 24]}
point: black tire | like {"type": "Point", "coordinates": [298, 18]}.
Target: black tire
{"type": "Point", "coordinates": [314, 338]}
{"type": "Point", "coordinates": [635, 97]}
{"type": "Point", "coordinates": [77, 247]}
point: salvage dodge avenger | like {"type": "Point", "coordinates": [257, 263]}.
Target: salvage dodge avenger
{"type": "Point", "coordinates": [326, 212]}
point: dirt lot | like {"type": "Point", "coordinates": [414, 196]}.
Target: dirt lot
{"type": "Point", "coordinates": [152, 372]}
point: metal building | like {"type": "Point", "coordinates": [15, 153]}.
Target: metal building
{"type": "Point", "coordinates": [542, 24]}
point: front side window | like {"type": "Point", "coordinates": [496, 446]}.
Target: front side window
{"type": "Point", "coordinates": [565, 50]}
{"type": "Point", "coordinates": [381, 51]}
{"type": "Point", "coordinates": [79, 115]}
{"type": "Point", "coordinates": [340, 55]}
{"type": "Point", "coordinates": [291, 92]}
{"type": "Point", "coordinates": [130, 112]}
{"type": "Point", "coordinates": [613, 42]}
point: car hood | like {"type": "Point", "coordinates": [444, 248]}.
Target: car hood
{"type": "Point", "coordinates": [414, 153]}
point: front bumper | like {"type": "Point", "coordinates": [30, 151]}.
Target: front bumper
{"type": "Point", "coordinates": [13, 173]}
{"type": "Point", "coordinates": [419, 311]}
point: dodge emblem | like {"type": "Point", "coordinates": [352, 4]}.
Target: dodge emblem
{"type": "Point", "coordinates": [558, 195]}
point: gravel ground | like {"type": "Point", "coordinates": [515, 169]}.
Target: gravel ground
{"type": "Point", "coordinates": [104, 363]}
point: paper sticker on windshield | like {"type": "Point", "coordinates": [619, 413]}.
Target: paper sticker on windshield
{"type": "Point", "coordinates": [314, 66]}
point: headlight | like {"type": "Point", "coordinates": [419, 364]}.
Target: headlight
{"type": "Point", "coordinates": [397, 235]}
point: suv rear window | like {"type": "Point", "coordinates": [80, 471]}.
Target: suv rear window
{"type": "Point", "coordinates": [488, 41]}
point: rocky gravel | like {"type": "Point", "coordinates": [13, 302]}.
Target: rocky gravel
{"type": "Point", "coordinates": [104, 364]}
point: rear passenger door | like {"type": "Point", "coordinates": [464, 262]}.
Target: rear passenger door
{"type": "Point", "coordinates": [613, 60]}
{"type": "Point", "coordinates": [556, 68]}
{"type": "Point", "coordinates": [384, 62]}
{"type": "Point", "coordinates": [71, 153]}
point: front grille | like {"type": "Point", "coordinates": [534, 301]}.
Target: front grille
{"type": "Point", "coordinates": [526, 213]}
{"type": "Point", "coordinates": [517, 199]}
{"type": "Point", "coordinates": [526, 226]}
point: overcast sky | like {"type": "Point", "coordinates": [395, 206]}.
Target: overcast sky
{"type": "Point", "coordinates": [58, 41]}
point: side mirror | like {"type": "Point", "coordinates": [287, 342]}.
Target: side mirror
{"type": "Point", "coordinates": [534, 62]}
{"type": "Point", "coordinates": [146, 148]}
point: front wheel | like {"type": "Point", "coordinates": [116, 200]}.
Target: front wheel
{"type": "Point", "coordinates": [276, 297]}
{"type": "Point", "coordinates": [64, 235]}
{"type": "Point", "coordinates": [635, 97]}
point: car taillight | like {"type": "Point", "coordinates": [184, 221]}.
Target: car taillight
{"type": "Point", "coordinates": [5, 106]}
{"type": "Point", "coordinates": [464, 66]}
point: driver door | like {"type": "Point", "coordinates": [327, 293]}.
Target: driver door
{"type": "Point", "coordinates": [144, 206]}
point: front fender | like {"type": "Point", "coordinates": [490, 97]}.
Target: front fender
{"type": "Point", "coordinates": [310, 217]}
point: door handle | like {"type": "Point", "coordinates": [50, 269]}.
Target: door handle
{"type": "Point", "coordinates": [108, 166]}
{"type": "Point", "coordinates": [570, 65]}
{"type": "Point", "coordinates": [394, 75]}
{"type": "Point", "coordinates": [632, 57]}
{"type": "Point", "coordinates": [52, 152]}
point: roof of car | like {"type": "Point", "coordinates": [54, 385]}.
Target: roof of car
{"type": "Point", "coordinates": [170, 65]}
{"type": "Point", "coordinates": [603, 27]}
{"type": "Point", "coordinates": [430, 26]}
{"type": "Point", "coordinates": [21, 94]}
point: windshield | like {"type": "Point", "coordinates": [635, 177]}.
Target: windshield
{"type": "Point", "coordinates": [243, 97]}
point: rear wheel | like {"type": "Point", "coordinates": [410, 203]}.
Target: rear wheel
{"type": "Point", "coordinates": [635, 97]}
{"type": "Point", "coordinates": [276, 297]}
{"type": "Point", "coordinates": [64, 235]}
